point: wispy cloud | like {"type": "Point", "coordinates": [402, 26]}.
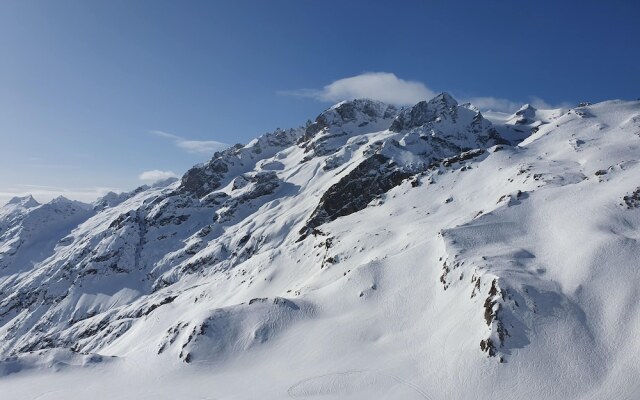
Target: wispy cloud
{"type": "Point", "coordinates": [509, 106]}
{"type": "Point", "coordinates": [494, 104]}
{"type": "Point", "coordinates": [47, 193]}
{"type": "Point", "coordinates": [387, 87]}
{"type": "Point", "coordinates": [156, 175]}
{"type": "Point", "coordinates": [383, 86]}
{"type": "Point", "coordinates": [207, 147]}
{"type": "Point", "coordinates": [537, 102]}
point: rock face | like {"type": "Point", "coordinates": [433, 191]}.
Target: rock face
{"type": "Point", "coordinates": [632, 200]}
{"type": "Point", "coordinates": [424, 112]}
{"type": "Point", "coordinates": [428, 131]}
{"type": "Point", "coordinates": [442, 121]}
{"type": "Point", "coordinates": [372, 177]}
{"type": "Point", "coordinates": [372, 227]}
{"type": "Point", "coordinates": [203, 179]}
{"type": "Point", "coordinates": [359, 113]}
{"type": "Point", "coordinates": [334, 127]}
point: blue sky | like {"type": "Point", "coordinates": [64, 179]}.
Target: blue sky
{"type": "Point", "coordinates": [95, 93]}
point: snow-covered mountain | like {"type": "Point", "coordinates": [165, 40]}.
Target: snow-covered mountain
{"type": "Point", "coordinates": [427, 252]}
{"type": "Point", "coordinates": [29, 231]}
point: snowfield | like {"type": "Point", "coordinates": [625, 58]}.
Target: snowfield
{"type": "Point", "coordinates": [428, 252]}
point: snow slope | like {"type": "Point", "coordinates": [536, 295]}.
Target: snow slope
{"type": "Point", "coordinates": [418, 253]}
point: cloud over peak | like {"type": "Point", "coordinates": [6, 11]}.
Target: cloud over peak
{"type": "Point", "coordinates": [207, 147]}
{"type": "Point", "coordinates": [156, 175]}
{"type": "Point", "coordinates": [382, 86]}
{"type": "Point", "coordinates": [388, 88]}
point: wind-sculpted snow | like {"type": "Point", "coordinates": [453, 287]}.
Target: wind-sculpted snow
{"type": "Point", "coordinates": [229, 329]}
{"type": "Point", "coordinates": [406, 253]}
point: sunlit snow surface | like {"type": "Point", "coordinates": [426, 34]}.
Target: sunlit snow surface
{"type": "Point", "coordinates": [532, 250]}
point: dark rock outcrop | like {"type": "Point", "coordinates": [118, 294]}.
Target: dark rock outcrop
{"type": "Point", "coordinates": [374, 176]}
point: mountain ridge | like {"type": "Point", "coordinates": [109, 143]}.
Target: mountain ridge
{"type": "Point", "coordinates": [365, 223]}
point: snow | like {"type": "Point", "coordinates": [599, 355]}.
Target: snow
{"type": "Point", "coordinates": [171, 292]}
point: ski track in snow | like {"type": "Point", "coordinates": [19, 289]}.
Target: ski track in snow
{"type": "Point", "coordinates": [341, 384]}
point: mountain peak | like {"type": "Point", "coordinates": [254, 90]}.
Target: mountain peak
{"type": "Point", "coordinates": [525, 114]}
{"type": "Point", "coordinates": [443, 99]}
{"type": "Point", "coordinates": [352, 110]}
{"type": "Point", "coordinates": [25, 201]}
{"type": "Point", "coordinates": [360, 112]}
{"type": "Point", "coordinates": [64, 202]}
{"type": "Point", "coordinates": [358, 103]}
{"type": "Point", "coordinates": [60, 200]}
{"type": "Point", "coordinates": [424, 111]}
{"type": "Point", "coordinates": [526, 108]}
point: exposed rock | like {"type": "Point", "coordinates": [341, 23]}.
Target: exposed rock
{"type": "Point", "coordinates": [361, 112]}
{"type": "Point", "coordinates": [467, 155]}
{"type": "Point", "coordinates": [632, 200]}
{"type": "Point", "coordinates": [374, 176]}
{"type": "Point", "coordinates": [425, 112]}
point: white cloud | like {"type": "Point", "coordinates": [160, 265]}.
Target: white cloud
{"type": "Point", "coordinates": [494, 104]}
{"type": "Point", "coordinates": [387, 87]}
{"type": "Point", "coordinates": [383, 86]}
{"type": "Point", "coordinates": [510, 106]}
{"type": "Point", "coordinates": [207, 147]}
{"type": "Point", "coordinates": [45, 194]}
{"type": "Point", "coordinates": [156, 175]}
{"type": "Point", "coordinates": [539, 103]}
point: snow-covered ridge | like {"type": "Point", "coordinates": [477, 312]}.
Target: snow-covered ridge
{"type": "Point", "coordinates": [424, 252]}
{"type": "Point", "coordinates": [29, 231]}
